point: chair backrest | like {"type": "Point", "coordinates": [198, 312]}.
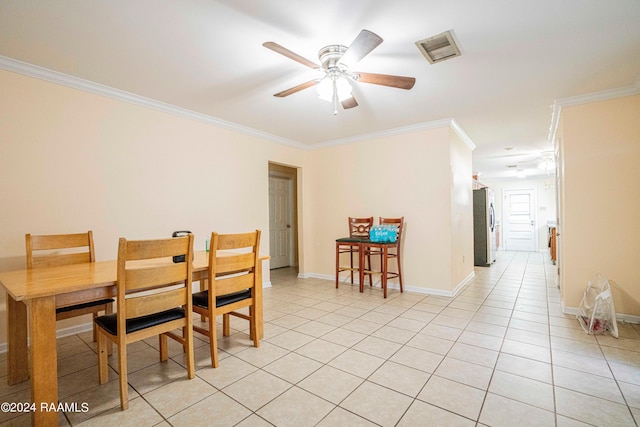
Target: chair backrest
{"type": "Point", "coordinates": [359, 227]}
{"type": "Point", "coordinates": [149, 281]}
{"type": "Point", "coordinates": [59, 249]}
{"type": "Point", "coordinates": [232, 261]}
{"type": "Point", "coordinates": [398, 222]}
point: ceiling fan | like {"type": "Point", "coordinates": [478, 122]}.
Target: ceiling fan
{"type": "Point", "coordinates": [334, 86]}
{"type": "Point", "coordinates": [543, 160]}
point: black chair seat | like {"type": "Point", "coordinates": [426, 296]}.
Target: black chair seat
{"type": "Point", "coordinates": [201, 299]}
{"type": "Point", "coordinates": [83, 305]}
{"type": "Point", "coordinates": [110, 322]}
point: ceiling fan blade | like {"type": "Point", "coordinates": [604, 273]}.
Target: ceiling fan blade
{"type": "Point", "coordinates": [291, 55]}
{"type": "Point", "coordinates": [349, 103]}
{"type": "Point", "coordinates": [399, 82]}
{"type": "Point", "coordinates": [363, 44]}
{"type": "Point", "coordinates": [295, 89]}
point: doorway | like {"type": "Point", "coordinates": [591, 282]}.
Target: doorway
{"type": "Point", "coordinates": [283, 229]}
{"type": "Point", "coordinates": [519, 220]}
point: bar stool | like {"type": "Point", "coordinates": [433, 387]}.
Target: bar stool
{"type": "Point", "coordinates": [358, 231]}
{"type": "Point", "coordinates": [386, 251]}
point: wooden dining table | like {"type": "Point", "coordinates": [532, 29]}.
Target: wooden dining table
{"type": "Point", "coordinates": [32, 299]}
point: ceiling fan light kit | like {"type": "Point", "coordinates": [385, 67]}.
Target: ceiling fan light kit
{"type": "Point", "coordinates": [335, 85]}
{"type": "Point", "coordinates": [331, 87]}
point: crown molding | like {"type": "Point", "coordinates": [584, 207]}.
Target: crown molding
{"type": "Point", "coordinates": [35, 71]}
{"type": "Point", "coordinates": [603, 95]}
{"type": "Point", "coordinates": [462, 134]}
{"type": "Point", "coordinates": [30, 70]}
{"type": "Point", "coordinates": [435, 124]}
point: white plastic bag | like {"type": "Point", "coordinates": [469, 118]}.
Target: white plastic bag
{"type": "Point", "coordinates": [596, 313]}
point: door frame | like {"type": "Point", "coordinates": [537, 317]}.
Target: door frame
{"type": "Point", "coordinates": [291, 173]}
{"type": "Point", "coordinates": [506, 224]}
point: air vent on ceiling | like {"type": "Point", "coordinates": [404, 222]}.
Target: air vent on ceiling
{"type": "Point", "coordinates": [439, 48]}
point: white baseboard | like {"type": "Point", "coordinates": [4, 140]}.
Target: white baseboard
{"type": "Point", "coordinates": [620, 317]}
{"type": "Point", "coordinates": [61, 333]}
{"type": "Point", "coordinates": [443, 293]}
{"type": "Point", "coordinates": [315, 276]}
{"type": "Point", "coordinates": [409, 288]}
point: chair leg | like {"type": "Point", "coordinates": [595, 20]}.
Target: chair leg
{"type": "Point", "coordinates": [337, 264]}
{"type": "Point", "coordinates": [253, 326]}
{"type": "Point", "coordinates": [213, 341]}
{"type": "Point", "coordinates": [164, 350]}
{"type": "Point", "coordinates": [226, 325]}
{"type": "Point", "coordinates": [95, 327]}
{"type": "Point", "coordinates": [187, 334]}
{"type": "Point", "coordinates": [385, 270]}
{"type": "Point", "coordinates": [103, 363]}
{"type": "Point", "coordinates": [109, 310]}
{"type": "Point", "coordinates": [252, 331]}
{"type": "Point", "coordinates": [399, 269]}
{"type": "Point", "coordinates": [122, 373]}
{"type": "Point", "coordinates": [351, 265]}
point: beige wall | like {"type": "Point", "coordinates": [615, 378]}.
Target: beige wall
{"type": "Point", "coordinates": [73, 160]}
{"type": "Point", "coordinates": [461, 195]}
{"type": "Point", "coordinates": [403, 175]}
{"type": "Point", "coordinates": [600, 221]}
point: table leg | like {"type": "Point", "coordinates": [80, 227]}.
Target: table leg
{"type": "Point", "coordinates": [18, 354]}
{"type": "Point", "coordinates": [44, 360]}
{"type": "Point", "coordinates": [258, 308]}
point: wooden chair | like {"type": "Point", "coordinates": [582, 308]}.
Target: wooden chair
{"type": "Point", "coordinates": [386, 251]}
{"type": "Point", "coordinates": [358, 229]}
{"type": "Point", "coordinates": [154, 298]}
{"type": "Point", "coordinates": [65, 249]}
{"type": "Point", "coordinates": [233, 284]}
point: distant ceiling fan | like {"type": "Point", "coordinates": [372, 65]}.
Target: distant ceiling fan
{"type": "Point", "coordinates": [336, 60]}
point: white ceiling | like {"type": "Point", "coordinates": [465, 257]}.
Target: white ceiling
{"type": "Point", "coordinates": [207, 56]}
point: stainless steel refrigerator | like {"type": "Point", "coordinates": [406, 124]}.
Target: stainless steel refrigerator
{"type": "Point", "coordinates": [484, 221]}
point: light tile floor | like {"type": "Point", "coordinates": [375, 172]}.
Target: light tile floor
{"type": "Point", "coordinates": [499, 354]}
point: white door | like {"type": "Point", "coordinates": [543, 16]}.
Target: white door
{"type": "Point", "coordinates": [519, 221]}
{"type": "Point", "coordinates": [280, 202]}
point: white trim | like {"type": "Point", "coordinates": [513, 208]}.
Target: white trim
{"type": "Point", "coordinates": [414, 289]}
{"type": "Point", "coordinates": [46, 74]}
{"type": "Point", "coordinates": [603, 95]}
{"type": "Point", "coordinates": [462, 134]}
{"type": "Point", "coordinates": [35, 71]}
{"type": "Point", "coordinates": [60, 333]}
{"type": "Point", "coordinates": [435, 124]}
{"type": "Point", "coordinates": [620, 317]}
{"type": "Point", "coordinates": [442, 293]}
{"type": "Point", "coordinates": [318, 276]}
